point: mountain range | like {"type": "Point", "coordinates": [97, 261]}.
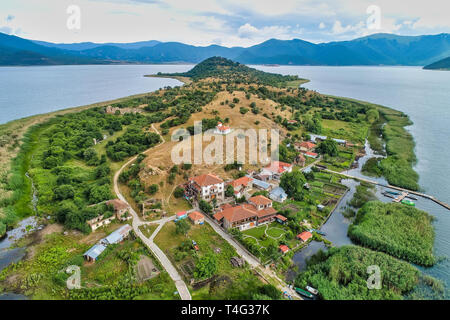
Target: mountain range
{"type": "Point", "coordinates": [443, 64]}
{"type": "Point", "coordinates": [377, 49]}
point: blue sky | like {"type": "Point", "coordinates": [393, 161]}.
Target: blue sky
{"type": "Point", "coordinates": [224, 22]}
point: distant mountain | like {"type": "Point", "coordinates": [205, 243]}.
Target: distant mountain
{"type": "Point", "coordinates": [91, 45]}
{"type": "Point", "coordinates": [18, 51]}
{"type": "Point", "coordinates": [443, 64]}
{"type": "Point", "coordinates": [377, 49]}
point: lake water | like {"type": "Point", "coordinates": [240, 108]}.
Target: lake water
{"type": "Point", "coordinates": [26, 91]}
{"type": "Point", "coordinates": [425, 96]}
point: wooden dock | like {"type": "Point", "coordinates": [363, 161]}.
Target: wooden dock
{"type": "Point", "coordinates": [403, 190]}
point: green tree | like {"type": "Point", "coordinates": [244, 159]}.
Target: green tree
{"type": "Point", "coordinates": [292, 183]}
{"type": "Point", "coordinates": [182, 226]}
{"type": "Point", "coordinates": [329, 147]}
{"type": "Point", "coordinates": [206, 266]}
{"type": "Point", "coordinates": [179, 192]}
{"type": "Point", "coordinates": [229, 192]}
{"type": "Point", "coordinates": [153, 189]}
{"type": "Point", "coordinates": [205, 206]}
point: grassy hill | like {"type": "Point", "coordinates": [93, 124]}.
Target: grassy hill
{"type": "Point", "coordinates": [218, 67]}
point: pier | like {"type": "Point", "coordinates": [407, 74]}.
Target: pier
{"type": "Point", "coordinates": [403, 190]}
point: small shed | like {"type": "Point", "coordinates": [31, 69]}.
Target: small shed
{"type": "Point", "coordinates": [320, 207]}
{"type": "Point", "coordinates": [93, 253]}
{"type": "Point", "coordinates": [118, 235]}
{"type": "Point", "coordinates": [284, 248]}
{"type": "Point", "coordinates": [281, 219]}
{"type": "Point", "coordinates": [181, 215]}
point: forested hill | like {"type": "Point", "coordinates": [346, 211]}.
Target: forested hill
{"type": "Point", "coordinates": [219, 67]}
{"type": "Point", "coordinates": [443, 64]}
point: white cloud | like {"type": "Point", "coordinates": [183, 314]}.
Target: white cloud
{"type": "Point", "coordinates": [322, 25]}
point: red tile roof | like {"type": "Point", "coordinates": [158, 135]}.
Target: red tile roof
{"type": "Point", "coordinates": [278, 166]}
{"type": "Point", "coordinates": [241, 182]}
{"type": "Point", "coordinates": [312, 154]}
{"type": "Point", "coordinates": [260, 200]}
{"type": "Point", "coordinates": [195, 215]}
{"type": "Point", "coordinates": [307, 145]}
{"type": "Point", "coordinates": [281, 217]}
{"type": "Point", "coordinates": [304, 236]}
{"type": "Point", "coordinates": [206, 179]}
{"type": "Point", "coordinates": [237, 213]}
{"type": "Point", "coordinates": [284, 248]}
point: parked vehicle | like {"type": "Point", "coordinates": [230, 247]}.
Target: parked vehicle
{"type": "Point", "coordinates": [312, 290]}
{"type": "Point", "coordinates": [304, 293]}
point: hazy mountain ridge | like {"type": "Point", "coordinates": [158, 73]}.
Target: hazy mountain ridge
{"type": "Point", "coordinates": [443, 64]}
{"type": "Point", "coordinates": [378, 49]}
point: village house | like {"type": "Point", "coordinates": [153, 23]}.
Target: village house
{"type": "Point", "coordinates": [100, 221]}
{"type": "Point", "coordinates": [206, 187]}
{"type": "Point", "coordinates": [221, 129]}
{"type": "Point", "coordinates": [93, 253]}
{"type": "Point", "coordinates": [241, 186]}
{"type": "Point", "coordinates": [304, 236]}
{"type": "Point", "coordinates": [305, 146]}
{"type": "Point", "coordinates": [196, 217]}
{"type": "Point", "coordinates": [181, 215]}
{"type": "Point", "coordinates": [276, 169]}
{"type": "Point", "coordinates": [248, 215]}
{"type": "Point", "coordinates": [261, 185]}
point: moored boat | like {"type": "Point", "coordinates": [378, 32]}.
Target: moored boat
{"type": "Point", "coordinates": [312, 290]}
{"type": "Point", "coordinates": [408, 202]}
{"type": "Point", "coordinates": [304, 293]}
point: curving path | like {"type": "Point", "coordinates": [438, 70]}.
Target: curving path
{"type": "Point", "coordinates": [159, 254]}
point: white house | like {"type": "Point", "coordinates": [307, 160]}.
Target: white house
{"type": "Point", "coordinates": [276, 169]}
{"type": "Point", "coordinates": [206, 187]}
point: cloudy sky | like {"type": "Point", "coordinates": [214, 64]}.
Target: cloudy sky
{"type": "Point", "coordinates": [224, 22]}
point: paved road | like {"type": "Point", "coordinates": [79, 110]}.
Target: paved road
{"type": "Point", "coordinates": [159, 254]}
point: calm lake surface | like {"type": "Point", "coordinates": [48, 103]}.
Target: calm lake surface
{"type": "Point", "coordinates": [26, 91]}
{"type": "Point", "coordinates": [423, 95]}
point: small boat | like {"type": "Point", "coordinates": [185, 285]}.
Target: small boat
{"type": "Point", "coordinates": [386, 194]}
{"type": "Point", "coordinates": [304, 293]}
{"type": "Point", "coordinates": [411, 197]}
{"type": "Point", "coordinates": [314, 291]}
{"type": "Point", "coordinates": [395, 193]}
{"type": "Point", "coordinates": [317, 231]}
{"type": "Point", "coordinates": [408, 202]}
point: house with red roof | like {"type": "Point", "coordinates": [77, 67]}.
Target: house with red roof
{"type": "Point", "coordinates": [276, 169]}
{"type": "Point", "coordinates": [206, 187]}
{"type": "Point", "coordinates": [281, 219]}
{"type": "Point", "coordinates": [257, 211]}
{"type": "Point", "coordinates": [241, 185]}
{"type": "Point", "coordinates": [311, 155]}
{"type": "Point", "coordinates": [305, 146]}
{"type": "Point", "coordinates": [304, 236]}
{"type": "Point", "coordinates": [181, 215]}
{"type": "Point", "coordinates": [221, 129]}
{"type": "Point", "coordinates": [284, 248]}
{"type": "Point", "coordinates": [196, 217]}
